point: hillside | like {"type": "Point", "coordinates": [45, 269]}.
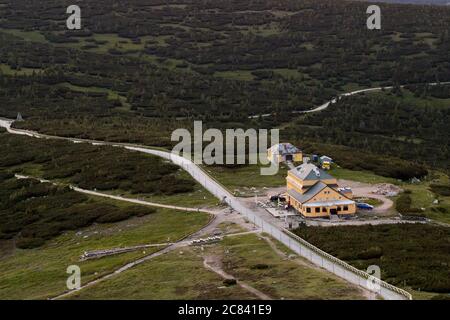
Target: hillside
{"type": "Point", "coordinates": [136, 73]}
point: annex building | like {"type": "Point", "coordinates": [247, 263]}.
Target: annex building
{"type": "Point", "coordinates": [284, 152]}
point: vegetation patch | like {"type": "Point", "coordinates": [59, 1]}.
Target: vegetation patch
{"type": "Point", "coordinates": [403, 205]}
{"type": "Point", "coordinates": [442, 190]}
{"type": "Point", "coordinates": [173, 276]}
{"type": "Point", "coordinates": [410, 256]}
{"type": "Point", "coordinates": [41, 273]}
{"type": "Point", "coordinates": [95, 167]}
{"type": "Point", "coordinates": [252, 260]}
{"type": "Point", "coordinates": [393, 124]}
{"type": "Point", "coordinates": [34, 212]}
{"type": "Point", "coordinates": [229, 282]}
{"type": "Point", "coordinates": [358, 160]}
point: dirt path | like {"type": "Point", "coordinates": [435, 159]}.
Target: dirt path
{"type": "Point", "coordinates": [214, 264]}
{"type": "Point", "coordinates": [369, 295]}
{"type": "Point", "coordinates": [366, 190]}
{"type": "Point", "coordinates": [218, 218]}
{"type": "Point", "coordinates": [196, 172]}
{"type": "Point", "coordinates": [116, 272]}
{"type": "Point", "coordinates": [120, 198]}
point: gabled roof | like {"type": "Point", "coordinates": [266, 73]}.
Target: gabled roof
{"type": "Point", "coordinates": [284, 148]}
{"type": "Point", "coordinates": [314, 190]}
{"type": "Point", "coordinates": [308, 171]}
{"type": "Point", "coordinates": [308, 195]}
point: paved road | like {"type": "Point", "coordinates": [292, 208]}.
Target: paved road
{"type": "Point", "coordinates": [120, 198]}
{"type": "Point", "coordinates": [334, 100]}
{"type": "Point", "coordinates": [198, 174]}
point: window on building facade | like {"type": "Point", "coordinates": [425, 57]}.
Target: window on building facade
{"type": "Point", "coordinates": [345, 208]}
{"type": "Point", "coordinates": [317, 210]}
{"type": "Point", "coordinates": [308, 210]}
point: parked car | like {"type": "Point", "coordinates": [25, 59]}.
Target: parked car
{"type": "Point", "coordinates": [364, 206]}
{"type": "Point", "coordinates": [274, 198]}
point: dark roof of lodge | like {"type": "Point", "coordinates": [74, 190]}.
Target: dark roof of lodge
{"type": "Point", "coordinates": [308, 195]}
{"type": "Point", "coordinates": [314, 190]}
{"type": "Point", "coordinates": [308, 171]}
{"type": "Point", "coordinates": [284, 148]}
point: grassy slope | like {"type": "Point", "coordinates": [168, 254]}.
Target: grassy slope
{"type": "Point", "coordinates": [181, 275]}
{"type": "Point", "coordinates": [200, 197]}
{"type": "Point", "coordinates": [177, 275]}
{"type": "Point", "coordinates": [40, 273]}
{"type": "Point", "coordinates": [284, 278]}
{"type": "Point", "coordinates": [423, 197]}
{"type": "Point", "coordinates": [361, 176]}
{"type": "Point", "coordinates": [247, 177]}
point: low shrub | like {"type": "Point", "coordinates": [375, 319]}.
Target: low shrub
{"type": "Point", "coordinates": [403, 205]}
{"type": "Point", "coordinates": [40, 211]}
{"type": "Point", "coordinates": [260, 266]}
{"type": "Point", "coordinates": [442, 190]}
{"type": "Point", "coordinates": [409, 255]}
{"type": "Point", "coordinates": [439, 209]}
{"type": "Point", "coordinates": [114, 216]}
{"type": "Point", "coordinates": [355, 159]}
{"type": "Point", "coordinates": [371, 253]}
{"type": "Point", "coordinates": [6, 175]}
{"type": "Point", "coordinates": [229, 282]}
{"type": "Point", "coordinates": [29, 243]}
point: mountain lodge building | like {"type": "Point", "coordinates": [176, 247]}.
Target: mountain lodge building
{"type": "Point", "coordinates": [314, 193]}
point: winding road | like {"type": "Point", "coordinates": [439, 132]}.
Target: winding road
{"type": "Point", "coordinates": [357, 277]}
{"type": "Point", "coordinates": [348, 94]}
{"type": "Point", "coordinates": [120, 198]}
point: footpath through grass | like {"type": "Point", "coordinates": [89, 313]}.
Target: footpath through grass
{"type": "Point", "coordinates": [41, 273]}
{"type": "Point", "coordinates": [181, 275]}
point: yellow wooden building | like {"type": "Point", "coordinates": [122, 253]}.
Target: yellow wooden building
{"type": "Point", "coordinates": [284, 152]}
{"type": "Point", "coordinates": [314, 193]}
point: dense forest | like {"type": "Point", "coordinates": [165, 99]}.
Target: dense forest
{"type": "Point", "coordinates": [419, 2]}
{"type": "Point", "coordinates": [413, 256]}
{"type": "Point", "coordinates": [139, 69]}
{"type": "Point", "coordinates": [411, 125]}
{"type": "Point", "coordinates": [32, 212]}
{"type": "Point", "coordinates": [93, 167]}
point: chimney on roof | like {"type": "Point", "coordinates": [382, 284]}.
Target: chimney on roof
{"type": "Point", "coordinates": [317, 172]}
